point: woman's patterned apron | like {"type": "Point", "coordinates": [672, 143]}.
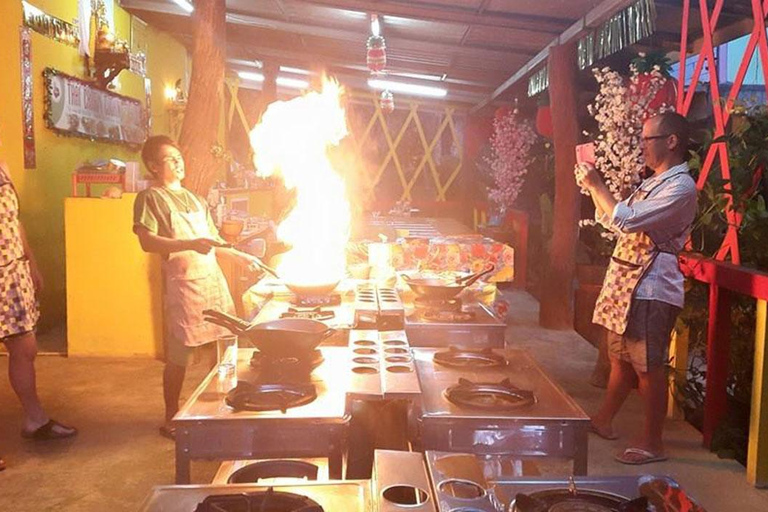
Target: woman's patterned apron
{"type": "Point", "coordinates": [194, 282]}
{"type": "Point", "coordinates": [19, 309]}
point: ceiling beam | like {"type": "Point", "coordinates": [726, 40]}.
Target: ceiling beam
{"type": "Point", "coordinates": [420, 10]}
{"type": "Point", "coordinates": [592, 19]}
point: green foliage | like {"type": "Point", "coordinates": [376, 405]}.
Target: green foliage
{"type": "Point", "coordinates": [646, 62]}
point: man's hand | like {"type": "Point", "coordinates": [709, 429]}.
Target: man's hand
{"type": "Point", "coordinates": [202, 245]}
{"type": "Point", "coordinates": [587, 176]}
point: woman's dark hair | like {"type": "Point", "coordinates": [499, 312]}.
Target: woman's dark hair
{"type": "Point", "coordinates": [150, 152]}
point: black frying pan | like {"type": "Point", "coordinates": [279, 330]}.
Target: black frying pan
{"type": "Point", "coordinates": [285, 337]}
{"type": "Point", "coordinates": [440, 288]}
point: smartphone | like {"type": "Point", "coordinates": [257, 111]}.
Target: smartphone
{"type": "Point", "coordinates": [585, 153]}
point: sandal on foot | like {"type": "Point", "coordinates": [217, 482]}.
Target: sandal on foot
{"type": "Point", "coordinates": [638, 456]}
{"type": "Point", "coordinates": [168, 432]}
{"type": "Point", "coordinates": [51, 430]}
{"type": "Point", "coordinates": [601, 433]}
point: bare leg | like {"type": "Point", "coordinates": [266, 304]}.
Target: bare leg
{"type": "Point", "coordinates": [173, 380]}
{"type": "Point", "coordinates": [653, 391]}
{"type": "Point", "coordinates": [619, 385]}
{"type": "Point", "coordinates": [22, 350]}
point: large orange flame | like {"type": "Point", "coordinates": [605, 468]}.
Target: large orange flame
{"type": "Point", "coordinates": [292, 141]}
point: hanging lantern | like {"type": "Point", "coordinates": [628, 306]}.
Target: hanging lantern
{"type": "Point", "coordinates": [544, 121]}
{"type": "Point", "coordinates": [376, 57]}
{"type": "Point", "coordinates": [387, 102]}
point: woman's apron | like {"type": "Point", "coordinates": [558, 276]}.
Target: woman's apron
{"type": "Point", "coordinates": [193, 281]}
{"type": "Point", "coordinates": [632, 257]}
{"type": "Point", "coordinates": [19, 310]}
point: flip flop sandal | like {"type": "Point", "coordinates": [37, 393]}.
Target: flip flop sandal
{"type": "Point", "coordinates": [638, 456]}
{"type": "Point", "coordinates": [601, 434]}
{"type": "Point", "coordinates": [51, 430]}
{"type": "Point", "coordinates": [168, 432]}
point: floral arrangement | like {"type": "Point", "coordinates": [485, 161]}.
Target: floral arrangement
{"type": "Point", "coordinates": [620, 109]}
{"type": "Point", "coordinates": [511, 144]}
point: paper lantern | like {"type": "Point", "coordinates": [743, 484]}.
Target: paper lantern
{"type": "Point", "coordinates": [387, 102]}
{"type": "Point", "coordinates": [544, 121]}
{"type": "Point", "coordinates": [376, 57]}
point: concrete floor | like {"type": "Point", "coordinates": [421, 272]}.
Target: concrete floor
{"type": "Point", "coordinates": [119, 456]}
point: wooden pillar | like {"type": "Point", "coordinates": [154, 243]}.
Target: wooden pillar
{"type": "Point", "coordinates": [757, 453]}
{"type": "Point", "coordinates": [556, 310]}
{"type": "Point", "coordinates": [200, 130]}
{"type": "Point", "coordinates": [718, 354]}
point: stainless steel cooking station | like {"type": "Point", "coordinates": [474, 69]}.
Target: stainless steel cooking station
{"type": "Point", "coordinates": [474, 325]}
{"type": "Point", "coordinates": [349, 496]}
{"type": "Point", "coordinates": [509, 408]}
{"type": "Point", "coordinates": [463, 482]}
{"type": "Point", "coordinates": [207, 428]}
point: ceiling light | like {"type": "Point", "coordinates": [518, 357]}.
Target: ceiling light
{"type": "Point", "coordinates": [406, 88]}
{"type": "Point", "coordinates": [185, 4]}
{"type": "Point", "coordinates": [293, 83]}
{"type": "Point", "coordinates": [419, 76]}
{"type": "Point", "coordinates": [251, 75]}
{"type": "Point", "coordinates": [295, 71]}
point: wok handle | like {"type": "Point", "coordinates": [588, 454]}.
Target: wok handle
{"type": "Point", "coordinates": [470, 280]}
{"type": "Point", "coordinates": [230, 320]}
{"type": "Point", "coordinates": [406, 277]}
{"type": "Point", "coordinates": [330, 332]}
{"type": "Point", "coordinates": [221, 323]}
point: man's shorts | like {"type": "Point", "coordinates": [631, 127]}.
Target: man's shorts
{"type": "Point", "coordinates": [645, 343]}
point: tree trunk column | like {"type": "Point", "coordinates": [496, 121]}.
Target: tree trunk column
{"type": "Point", "coordinates": [556, 311]}
{"type": "Point", "coordinates": [200, 130]}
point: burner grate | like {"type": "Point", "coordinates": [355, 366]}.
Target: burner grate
{"type": "Point", "coordinates": [424, 303]}
{"type": "Point", "coordinates": [269, 397]}
{"type": "Point", "coordinates": [489, 396]}
{"type": "Point", "coordinates": [469, 359]}
{"type": "Point", "coordinates": [289, 368]}
{"type": "Point", "coordinates": [571, 499]}
{"type": "Point", "coordinates": [316, 313]}
{"type": "Point", "coordinates": [267, 501]}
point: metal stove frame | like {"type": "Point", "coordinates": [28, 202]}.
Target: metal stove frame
{"type": "Point", "coordinates": [559, 429]}
{"type": "Point", "coordinates": [318, 429]}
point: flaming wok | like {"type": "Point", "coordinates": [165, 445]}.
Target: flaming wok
{"type": "Point", "coordinates": [302, 290]}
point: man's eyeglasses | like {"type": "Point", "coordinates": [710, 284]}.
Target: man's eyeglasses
{"type": "Point", "coordinates": [654, 137]}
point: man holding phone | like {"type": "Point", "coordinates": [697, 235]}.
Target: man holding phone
{"type": "Point", "coordinates": [643, 289]}
{"type": "Point", "coordinates": [175, 223]}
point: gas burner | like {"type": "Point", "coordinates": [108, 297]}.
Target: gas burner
{"type": "Point", "coordinates": [267, 501]}
{"type": "Point", "coordinates": [423, 303]}
{"type": "Point", "coordinates": [281, 369]}
{"type": "Point", "coordinates": [315, 301]}
{"type": "Point", "coordinates": [571, 499]}
{"type": "Point", "coordinates": [269, 397]}
{"type": "Point", "coordinates": [469, 359]}
{"type": "Point", "coordinates": [316, 313]}
{"type": "Point", "coordinates": [489, 396]}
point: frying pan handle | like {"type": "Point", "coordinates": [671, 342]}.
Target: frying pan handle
{"type": "Point", "coordinates": [330, 332]}
{"type": "Point", "coordinates": [470, 280]}
{"type": "Point", "coordinates": [225, 320]}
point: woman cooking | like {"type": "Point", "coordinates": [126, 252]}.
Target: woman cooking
{"type": "Point", "coordinates": [172, 221]}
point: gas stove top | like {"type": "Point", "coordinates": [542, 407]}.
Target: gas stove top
{"type": "Point", "coordinates": [463, 322]}
{"type": "Point", "coordinates": [328, 380]}
{"type": "Point", "coordinates": [511, 371]}
{"type": "Point", "coordinates": [350, 496]}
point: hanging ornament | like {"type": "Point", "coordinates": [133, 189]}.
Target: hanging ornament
{"type": "Point", "coordinates": [387, 102]}
{"type": "Point", "coordinates": [376, 56]}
